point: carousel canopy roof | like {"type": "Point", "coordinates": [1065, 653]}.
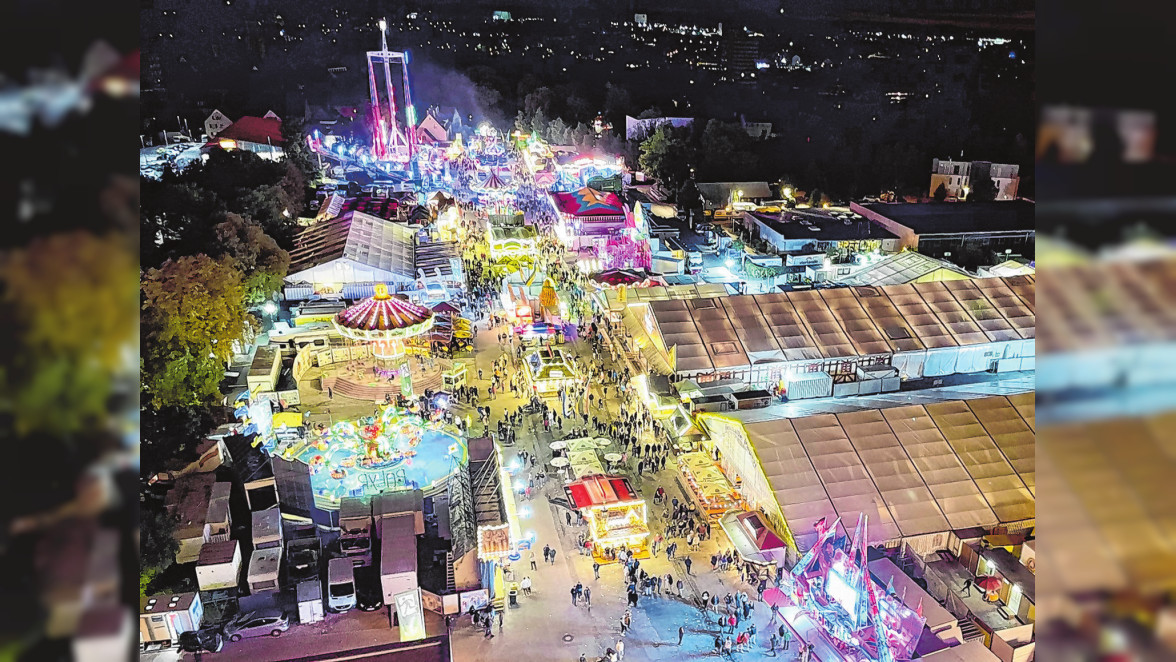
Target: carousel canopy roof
{"type": "Point", "coordinates": [589, 202]}
{"type": "Point", "coordinates": [387, 313]}
{"type": "Point", "coordinates": [493, 182]}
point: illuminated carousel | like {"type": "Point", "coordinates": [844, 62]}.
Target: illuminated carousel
{"type": "Point", "coordinates": [396, 450]}
{"type": "Point", "coordinates": [390, 326]}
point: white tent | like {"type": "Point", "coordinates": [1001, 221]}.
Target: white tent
{"type": "Point", "coordinates": [914, 470]}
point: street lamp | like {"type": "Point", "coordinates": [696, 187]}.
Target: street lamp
{"type": "Point", "coordinates": [269, 308]}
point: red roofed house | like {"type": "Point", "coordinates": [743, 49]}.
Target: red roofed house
{"type": "Point", "coordinates": [261, 135]}
{"type": "Point", "coordinates": [615, 512]}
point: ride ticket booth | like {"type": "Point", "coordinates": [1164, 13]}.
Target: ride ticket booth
{"type": "Point", "coordinates": [616, 514]}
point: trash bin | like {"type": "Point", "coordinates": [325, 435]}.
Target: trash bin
{"type": "Point", "coordinates": [513, 596]}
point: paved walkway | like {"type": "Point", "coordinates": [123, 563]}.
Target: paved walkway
{"type": "Point", "coordinates": [546, 626]}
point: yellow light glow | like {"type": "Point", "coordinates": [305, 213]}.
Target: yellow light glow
{"type": "Point", "coordinates": [228, 143]}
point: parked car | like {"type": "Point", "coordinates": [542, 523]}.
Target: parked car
{"type": "Point", "coordinates": [369, 594]}
{"type": "Point", "coordinates": [265, 622]}
{"type": "Point", "coordinates": [302, 563]}
{"type": "Point", "coordinates": [205, 639]}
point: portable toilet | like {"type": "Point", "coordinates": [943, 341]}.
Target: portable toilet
{"type": "Point", "coordinates": [310, 601]}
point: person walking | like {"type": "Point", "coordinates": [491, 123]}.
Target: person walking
{"type": "Point", "coordinates": [533, 566]}
{"type": "Point", "coordinates": [596, 569]}
{"type": "Point", "coordinates": [574, 594]}
{"type": "Point", "coordinates": [681, 633]}
{"type": "Point", "coordinates": [772, 643]}
{"type": "Point", "coordinates": [500, 621]}
{"type": "Point", "coordinates": [546, 553]}
{"type": "Point", "coordinates": [588, 598]}
{"type": "Point", "coordinates": [688, 563]}
{"type": "Point", "coordinates": [526, 583]}
{"type": "Point", "coordinates": [552, 556]}
{"type": "Point", "coordinates": [620, 650]}
{"type": "Point", "coordinates": [785, 636]}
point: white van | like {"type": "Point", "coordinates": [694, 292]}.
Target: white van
{"type": "Point", "coordinates": [340, 585]}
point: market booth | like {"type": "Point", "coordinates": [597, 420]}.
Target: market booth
{"type": "Point", "coordinates": [704, 481]}
{"type": "Point", "coordinates": [616, 515]}
{"type": "Point", "coordinates": [549, 371]}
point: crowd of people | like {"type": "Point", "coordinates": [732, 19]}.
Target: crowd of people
{"type": "Point", "coordinates": [600, 405]}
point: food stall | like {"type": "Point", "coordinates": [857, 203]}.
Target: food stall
{"type": "Point", "coordinates": [616, 515]}
{"type": "Point", "coordinates": [705, 482]}
{"type": "Point", "coordinates": [549, 371]}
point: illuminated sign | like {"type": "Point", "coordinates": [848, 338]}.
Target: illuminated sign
{"type": "Point", "coordinates": [411, 615]}
{"type": "Point", "coordinates": [841, 592]}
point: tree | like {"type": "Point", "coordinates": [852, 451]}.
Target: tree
{"type": "Point", "coordinates": [296, 150]}
{"type": "Point", "coordinates": [262, 263]}
{"type": "Point", "coordinates": [983, 190]}
{"type": "Point", "coordinates": [579, 109]}
{"type": "Point", "coordinates": [666, 156]}
{"type": "Point", "coordinates": [729, 152]}
{"type": "Point", "coordinates": [537, 101]}
{"type": "Point", "coordinates": [173, 216]}
{"type": "Point", "coordinates": [940, 192]}
{"type": "Point", "coordinates": [557, 131]}
{"type": "Point", "coordinates": [192, 312]}
{"type": "Point", "coordinates": [616, 101]}
{"type": "Point", "coordinates": [157, 545]}
{"type": "Point", "coordinates": [69, 324]}
{"type": "Point", "coordinates": [539, 124]}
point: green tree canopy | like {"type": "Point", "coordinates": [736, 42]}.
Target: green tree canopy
{"type": "Point", "coordinates": [157, 545]}
{"type": "Point", "coordinates": [983, 190]}
{"type": "Point", "coordinates": [263, 264]}
{"type": "Point", "coordinates": [68, 308]}
{"type": "Point", "coordinates": [728, 153]}
{"type": "Point", "coordinates": [940, 192]}
{"type": "Point", "coordinates": [193, 311]}
{"type": "Point", "coordinates": [666, 155]}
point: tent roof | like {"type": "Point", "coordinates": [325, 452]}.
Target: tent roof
{"type": "Point", "coordinates": [1110, 305]}
{"type": "Point", "coordinates": [356, 236]}
{"type": "Point", "coordinates": [913, 469]}
{"type": "Point", "coordinates": [718, 333]}
{"type": "Point", "coordinates": [904, 267]}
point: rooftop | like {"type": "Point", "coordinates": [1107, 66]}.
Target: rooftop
{"type": "Point", "coordinates": [719, 193]}
{"type": "Point", "coordinates": [821, 226]}
{"type": "Point", "coordinates": [254, 129]}
{"type": "Point", "coordinates": [592, 491]}
{"type": "Point", "coordinates": [929, 218]}
{"type": "Point", "coordinates": [188, 499]}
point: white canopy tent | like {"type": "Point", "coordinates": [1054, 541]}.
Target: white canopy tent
{"type": "Point", "coordinates": [914, 470]}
